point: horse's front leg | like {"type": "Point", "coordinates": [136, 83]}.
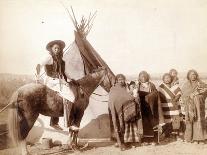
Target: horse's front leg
{"type": "Point", "coordinates": [70, 138]}
{"type": "Point", "coordinates": [76, 138]}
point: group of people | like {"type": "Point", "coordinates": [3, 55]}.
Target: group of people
{"type": "Point", "coordinates": [140, 112]}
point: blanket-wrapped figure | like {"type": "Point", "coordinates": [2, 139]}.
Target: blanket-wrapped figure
{"type": "Point", "coordinates": [194, 95]}
{"type": "Point", "coordinates": [125, 114]}
{"type": "Point", "coordinates": [169, 95]}
{"type": "Point", "coordinates": [150, 109]}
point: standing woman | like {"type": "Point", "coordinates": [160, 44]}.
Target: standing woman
{"type": "Point", "coordinates": [125, 114]}
{"type": "Point", "coordinates": [169, 96]}
{"type": "Point", "coordinates": [151, 112]}
{"type": "Point", "coordinates": [194, 95]}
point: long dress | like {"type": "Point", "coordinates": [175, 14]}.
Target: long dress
{"type": "Point", "coordinates": [195, 111]}
{"type": "Point", "coordinates": [149, 108]}
{"type": "Point", "coordinates": [171, 108]}
{"type": "Point", "coordinates": [125, 115]}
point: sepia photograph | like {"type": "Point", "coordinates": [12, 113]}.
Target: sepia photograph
{"type": "Point", "coordinates": [109, 77]}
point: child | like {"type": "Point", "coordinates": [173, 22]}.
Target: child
{"type": "Point", "coordinates": [132, 88]}
{"type": "Point", "coordinates": [169, 96]}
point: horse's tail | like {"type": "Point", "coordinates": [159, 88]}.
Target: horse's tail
{"type": "Point", "coordinates": [14, 121]}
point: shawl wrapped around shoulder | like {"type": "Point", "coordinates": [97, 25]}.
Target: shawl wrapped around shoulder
{"type": "Point", "coordinates": [187, 90]}
{"type": "Point", "coordinates": [123, 104]}
{"type": "Point", "coordinates": [118, 96]}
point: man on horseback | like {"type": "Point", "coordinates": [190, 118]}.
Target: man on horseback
{"type": "Point", "coordinates": [56, 78]}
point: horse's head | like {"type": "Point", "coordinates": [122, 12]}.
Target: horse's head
{"type": "Point", "coordinates": [106, 77]}
{"type": "Point", "coordinates": [101, 76]}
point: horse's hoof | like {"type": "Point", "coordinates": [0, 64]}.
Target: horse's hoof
{"type": "Point", "coordinates": [83, 147]}
{"type": "Point", "coordinates": [78, 147]}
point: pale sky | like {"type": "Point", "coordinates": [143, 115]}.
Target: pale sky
{"type": "Point", "coordinates": [130, 35]}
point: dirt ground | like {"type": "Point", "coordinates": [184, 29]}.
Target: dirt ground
{"type": "Point", "coordinates": [167, 147]}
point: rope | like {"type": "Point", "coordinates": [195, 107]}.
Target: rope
{"type": "Point", "coordinates": [5, 107]}
{"type": "Point", "coordinates": [88, 95]}
{"type": "Point", "coordinates": [100, 94]}
{"type": "Point", "coordinates": [97, 100]}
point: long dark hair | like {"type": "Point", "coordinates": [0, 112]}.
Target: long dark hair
{"type": "Point", "coordinates": [118, 76]}
{"type": "Point", "coordinates": [144, 72]}
{"type": "Point", "coordinates": [190, 71]}
{"type": "Point", "coordinates": [57, 61]}
{"type": "Point", "coordinates": [56, 57]}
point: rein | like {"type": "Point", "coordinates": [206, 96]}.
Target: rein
{"type": "Point", "coordinates": [4, 108]}
{"type": "Point", "coordinates": [105, 101]}
{"type": "Point", "coordinates": [100, 94]}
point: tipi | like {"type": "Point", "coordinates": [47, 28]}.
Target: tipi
{"type": "Point", "coordinates": [91, 59]}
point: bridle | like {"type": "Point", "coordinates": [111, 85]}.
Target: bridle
{"type": "Point", "coordinates": [101, 80]}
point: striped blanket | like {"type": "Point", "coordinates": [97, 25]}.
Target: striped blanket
{"type": "Point", "coordinates": [171, 109]}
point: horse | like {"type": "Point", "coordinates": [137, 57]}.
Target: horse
{"type": "Point", "coordinates": [33, 99]}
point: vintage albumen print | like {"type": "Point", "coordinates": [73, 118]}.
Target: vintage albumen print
{"type": "Point", "coordinates": [103, 77]}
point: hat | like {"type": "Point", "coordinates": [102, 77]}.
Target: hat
{"type": "Point", "coordinates": [58, 42]}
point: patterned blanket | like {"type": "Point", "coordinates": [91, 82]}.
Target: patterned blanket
{"type": "Point", "coordinates": [123, 104]}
